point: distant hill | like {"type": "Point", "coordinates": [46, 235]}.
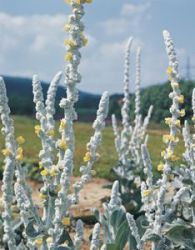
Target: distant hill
{"type": "Point", "coordinates": [21, 99]}
{"type": "Point", "coordinates": [157, 96]}
{"type": "Point", "coordinates": [20, 95]}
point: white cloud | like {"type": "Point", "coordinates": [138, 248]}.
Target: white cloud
{"type": "Point", "coordinates": [31, 44]}
{"type": "Point", "coordinates": [34, 45]}
{"type": "Point", "coordinates": [130, 19]}
{"type": "Point", "coordinates": [133, 10]}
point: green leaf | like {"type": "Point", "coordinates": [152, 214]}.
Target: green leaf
{"type": "Point", "coordinates": [31, 231]}
{"type": "Point", "coordinates": [122, 235]}
{"type": "Point", "coordinates": [65, 237]}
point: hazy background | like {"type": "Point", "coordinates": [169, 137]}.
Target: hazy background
{"type": "Point", "coordinates": [31, 39]}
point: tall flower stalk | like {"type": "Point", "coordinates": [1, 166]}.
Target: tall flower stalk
{"type": "Point", "coordinates": [174, 123]}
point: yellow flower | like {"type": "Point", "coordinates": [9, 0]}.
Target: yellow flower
{"type": "Point", "coordinates": [43, 196]}
{"type": "Point", "coordinates": [170, 138]}
{"type": "Point", "coordinates": [70, 42]}
{"type": "Point", "coordinates": [79, 1]}
{"type": "Point", "coordinates": [163, 153]}
{"type": "Point", "coordinates": [49, 240]}
{"type": "Point", "coordinates": [168, 120]}
{"type": "Point", "coordinates": [19, 155]}
{"type": "Point", "coordinates": [87, 157]}
{"type": "Point", "coordinates": [181, 99]}
{"type": "Point", "coordinates": [174, 158]}
{"type": "Point", "coordinates": [166, 138]}
{"type": "Point", "coordinates": [160, 167]}
{"type": "Point", "coordinates": [45, 172]}
{"type": "Point", "coordinates": [169, 70]}
{"type": "Point", "coordinates": [67, 27]}
{"type": "Point", "coordinates": [37, 129]}
{"type": "Point", "coordinates": [68, 56]}
{"type": "Point", "coordinates": [146, 192]}
{"type": "Point", "coordinates": [178, 123]}
{"type": "Point", "coordinates": [39, 242]}
{"type": "Point", "coordinates": [51, 133]}
{"type": "Point", "coordinates": [169, 153]}
{"type": "Point", "coordinates": [84, 39]}
{"type": "Point", "coordinates": [62, 145]}
{"type": "Point", "coordinates": [175, 85]}
{"type": "Point", "coordinates": [66, 221]}
{"type": "Point", "coordinates": [53, 172]}
{"type": "Point", "coordinates": [182, 112]}
{"type": "Point", "coordinates": [20, 140]}
{"type": "Point", "coordinates": [193, 118]}
{"type": "Point", "coordinates": [62, 125]}
{"type": "Point", "coordinates": [6, 152]}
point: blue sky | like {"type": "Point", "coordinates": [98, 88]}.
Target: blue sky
{"type": "Point", "coordinates": [31, 39]}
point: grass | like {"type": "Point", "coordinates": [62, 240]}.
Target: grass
{"type": "Point", "coordinates": [25, 126]}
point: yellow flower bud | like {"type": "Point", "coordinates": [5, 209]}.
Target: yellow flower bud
{"type": "Point", "coordinates": [62, 145]}
{"type": "Point", "coordinates": [181, 99]}
{"type": "Point", "coordinates": [43, 196]}
{"type": "Point", "coordinates": [67, 27]}
{"type": "Point", "coordinates": [49, 240]}
{"type": "Point", "coordinates": [19, 155]}
{"type": "Point", "coordinates": [37, 129]}
{"type": "Point", "coordinates": [45, 172]}
{"type": "Point", "coordinates": [169, 154]}
{"type": "Point", "coordinates": [68, 56]}
{"type": "Point", "coordinates": [175, 85]}
{"type": "Point", "coordinates": [66, 221]}
{"type": "Point", "coordinates": [70, 42]}
{"type": "Point", "coordinates": [39, 242]}
{"type": "Point", "coordinates": [182, 112]}
{"type": "Point", "coordinates": [62, 125]}
{"type": "Point", "coordinates": [146, 192]}
{"type": "Point", "coordinates": [87, 157]}
{"type": "Point", "coordinates": [6, 152]}
{"type": "Point", "coordinates": [85, 40]}
{"type": "Point", "coordinates": [160, 167]}
{"type": "Point", "coordinates": [20, 140]}
{"type": "Point", "coordinates": [178, 123]}
{"type": "Point", "coordinates": [170, 138]}
{"type": "Point", "coordinates": [174, 158]}
{"type": "Point", "coordinates": [169, 70]}
{"type": "Point", "coordinates": [53, 172]}
{"type": "Point", "coordinates": [168, 120]}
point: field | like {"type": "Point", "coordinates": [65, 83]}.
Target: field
{"type": "Point", "coordinates": [25, 127]}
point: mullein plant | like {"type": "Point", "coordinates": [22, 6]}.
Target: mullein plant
{"type": "Point", "coordinates": [183, 233]}
{"type": "Point", "coordinates": [165, 227]}
{"type": "Point", "coordinates": [129, 138]}
{"type": "Point", "coordinates": [47, 228]}
{"type": "Point", "coordinates": [113, 222]}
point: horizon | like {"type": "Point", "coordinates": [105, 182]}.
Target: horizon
{"type": "Point", "coordinates": [36, 30]}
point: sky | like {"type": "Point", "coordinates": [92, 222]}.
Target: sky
{"type": "Point", "coordinates": [31, 39]}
